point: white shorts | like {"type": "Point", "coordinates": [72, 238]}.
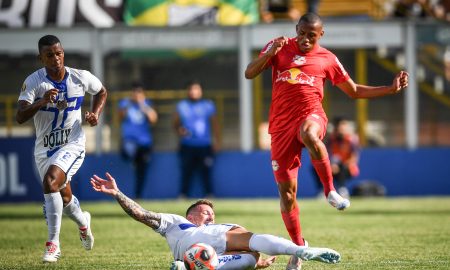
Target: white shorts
{"type": "Point", "coordinates": [212, 234]}
{"type": "Point", "coordinates": [69, 159]}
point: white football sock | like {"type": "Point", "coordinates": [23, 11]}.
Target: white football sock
{"type": "Point", "coordinates": [53, 208]}
{"type": "Point", "coordinates": [236, 261]}
{"type": "Point", "coordinates": [73, 211]}
{"type": "Point", "coordinates": [272, 245]}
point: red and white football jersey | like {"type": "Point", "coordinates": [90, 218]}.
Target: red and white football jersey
{"type": "Point", "coordinates": [297, 82]}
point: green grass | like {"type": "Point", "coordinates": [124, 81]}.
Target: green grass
{"type": "Point", "coordinates": [402, 233]}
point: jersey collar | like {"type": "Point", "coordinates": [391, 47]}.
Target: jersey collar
{"type": "Point", "coordinates": [61, 86]}
{"type": "Point", "coordinates": [66, 74]}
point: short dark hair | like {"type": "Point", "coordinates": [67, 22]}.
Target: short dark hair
{"type": "Point", "coordinates": [199, 202]}
{"type": "Point", "coordinates": [137, 84]}
{"type": "Point", "coordinates": [47, 40]}
{"type": "Point", "coordinates": [338, 120]}
{"type": "Point", "coordinates": [192, 82]}
{"type": "Point", "coordinates": [310, 18]}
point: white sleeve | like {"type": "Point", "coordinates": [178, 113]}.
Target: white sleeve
{"type": "Point", "coordinates": [94, 85]}
{"type": "Point", "coordinates": [28, 91]}
{"type": "Point", "coordinates": [167, 220]}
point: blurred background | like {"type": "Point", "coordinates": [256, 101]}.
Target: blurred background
{"type": "Point", "coordinates": [405, 138]}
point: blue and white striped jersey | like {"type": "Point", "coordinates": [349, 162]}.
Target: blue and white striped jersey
{"type": "Point", "coordinates": [59, 123]}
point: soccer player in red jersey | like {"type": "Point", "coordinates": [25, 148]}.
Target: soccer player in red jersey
{"type": "Point", "coordinates": [297, 119]}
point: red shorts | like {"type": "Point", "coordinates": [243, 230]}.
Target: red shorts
{"type": "Point", "coordinates": [287, 148]}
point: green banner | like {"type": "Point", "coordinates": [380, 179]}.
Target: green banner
{"type": "Point", "coordinates": [190, 12]}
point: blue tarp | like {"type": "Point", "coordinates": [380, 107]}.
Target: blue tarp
{"type": "Point", "coordinates": [422, 172]}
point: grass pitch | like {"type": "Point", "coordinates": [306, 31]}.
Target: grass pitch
{"type": "Point", "coordinates": [400, 233]}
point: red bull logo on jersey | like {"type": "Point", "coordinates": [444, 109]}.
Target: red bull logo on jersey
{"type": "Point", "coordinates": [295, 76]}
{"type": "Point", "coordinates": [299, 60]}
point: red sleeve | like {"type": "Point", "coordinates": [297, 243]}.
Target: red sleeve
{"type": "Point", "coordinates": [335, 71]}
{"type": "Point", "coordinates": [265, 50]}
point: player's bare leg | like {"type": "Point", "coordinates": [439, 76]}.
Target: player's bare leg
{"type": "Point", "coordinates": [238, 239]}
{"type": "Point", "coordinates": [310, 134]}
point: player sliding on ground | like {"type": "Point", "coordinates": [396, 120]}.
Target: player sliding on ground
{"type": "Point", "coordinates": [226, 239]}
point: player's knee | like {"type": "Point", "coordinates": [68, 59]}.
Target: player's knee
{"type": "Point", "coordinates": [288, 199]}
{"type": "Point", "coordinates": [309, 137]}
{"type": "Point", "coordinates": [50, 187]}
{"type": "Point", "coordinates": [50, 183]}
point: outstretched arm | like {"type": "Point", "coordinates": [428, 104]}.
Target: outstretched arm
{"type": "Point", "coordinates": [133, 209]}
{"type": "Point", "coordinates": [259, 64]}
{"type": "Point", "coordinates": [364, 91]}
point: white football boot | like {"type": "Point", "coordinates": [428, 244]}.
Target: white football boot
{"type": "Point", "coordinates": [86, 236]}
{"type": "Point", "coordinates": [295, 263]}
{"type": "Point", "coordinates": [337, 201]}
{"type": "Point", "coordinates": [52, 252]}
{"type": "Point", "coordinates": [325, 255]}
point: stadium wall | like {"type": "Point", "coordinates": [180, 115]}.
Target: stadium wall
{"type": "Point", "coordinates": [421, 172]}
